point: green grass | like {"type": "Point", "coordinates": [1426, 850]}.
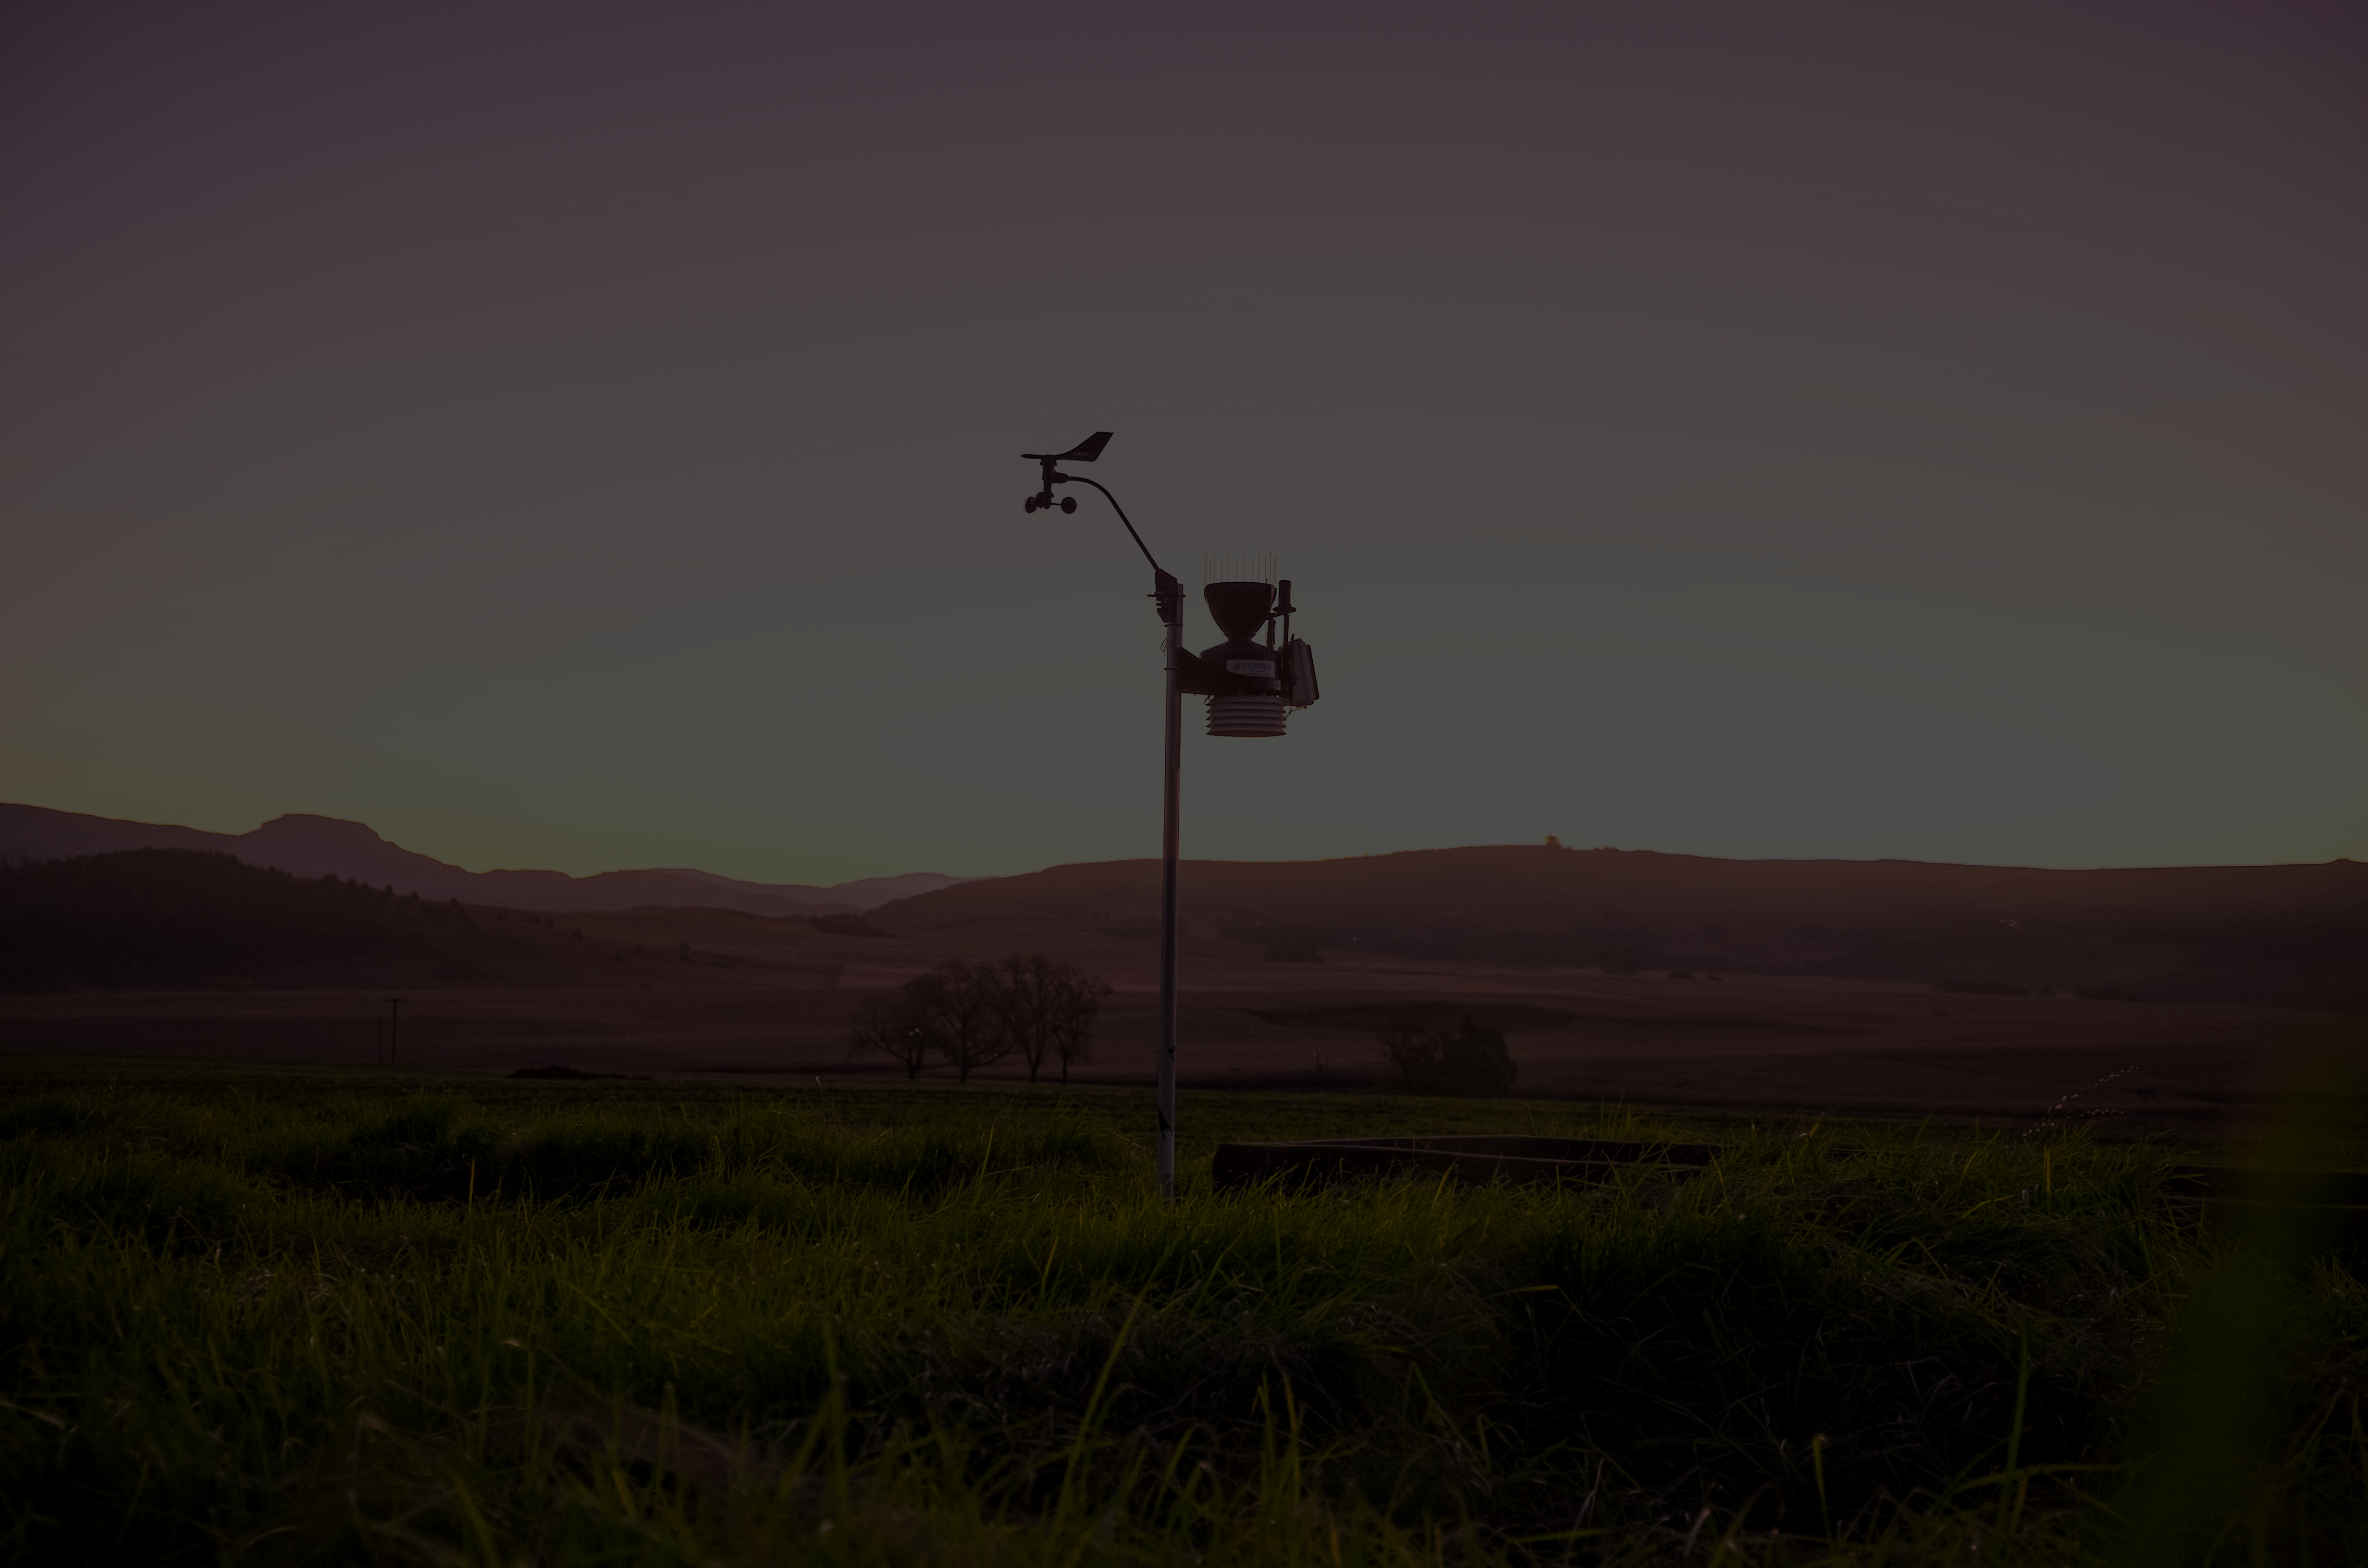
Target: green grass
{"type": "Point", "coordinates": [281, 1315]}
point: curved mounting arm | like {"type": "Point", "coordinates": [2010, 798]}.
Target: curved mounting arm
{"type": "Point", "coordinates": [1053, 479]}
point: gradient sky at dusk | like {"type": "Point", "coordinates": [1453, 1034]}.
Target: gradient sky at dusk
{"type": "Point", "coordinates": [584, 434]}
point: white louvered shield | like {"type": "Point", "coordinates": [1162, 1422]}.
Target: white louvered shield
{"type": "Point", "coordinates": [1249, 717]}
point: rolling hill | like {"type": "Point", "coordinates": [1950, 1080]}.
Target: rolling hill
{"type": "Point", "coordinates": [2284, 935]}
{"type": "Point", "coordinates": [133, 920]}
{"type": "Point", "coordinates": [329, 846]}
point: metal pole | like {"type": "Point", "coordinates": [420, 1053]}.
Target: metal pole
{"type": "Point", "coordinates": [1170, 593]}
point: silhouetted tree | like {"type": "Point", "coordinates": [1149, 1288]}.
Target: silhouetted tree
{"type": "Point", "coordinates": [1048, 1010]}
{"type": "Point", "coordinates": [898, 1026]}
{"type": "Point", "coordinates": [1468, 1059]}
{"type": "Point", "coordinates": [1079, 1002]}
{"type": "Point", "coordinates": [963, 1001]}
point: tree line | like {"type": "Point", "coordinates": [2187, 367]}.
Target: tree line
{"type": "Point", "coordinates": [141, 919]}
{"type": "Point", "coordinates": [970, 1014]}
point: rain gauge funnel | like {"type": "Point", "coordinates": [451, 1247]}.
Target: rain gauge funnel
{"type": "Point", "coordinates": [1239, 609]}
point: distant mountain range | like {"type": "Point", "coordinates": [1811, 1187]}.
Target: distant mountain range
{"type": "Point", "coordinates": [2285, 935]}
{"type": "Point", "coordinates": [2282, 935]}
{"type": "Point", "coordinates": [319, 847]}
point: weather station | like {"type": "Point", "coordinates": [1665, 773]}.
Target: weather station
{"type": "Point", "coordinates": [1252, 680]}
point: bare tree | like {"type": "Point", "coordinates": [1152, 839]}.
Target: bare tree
{"type": "Point", "coordinates": [1025, 999]}
{"type": "Point", "coordinates": [974, 1015]}
{"type": "Point", "coordinates": [897, 1026]}
{"type": "Point", "coordinates": [965, 1002]}
{"type": "Point", "coordinates": [1049, 1009]}
{"type": "Point", "coordinates": [1073, 1028]}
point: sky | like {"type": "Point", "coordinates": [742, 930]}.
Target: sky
{"type": "Point", "coordinates": [585, 435]}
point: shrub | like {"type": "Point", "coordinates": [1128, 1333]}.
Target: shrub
{"type": "Point", "coordinates": [1470, 1059]}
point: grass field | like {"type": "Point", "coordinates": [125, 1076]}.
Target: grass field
{"type": "Point", "coordinates": [253, 1314]}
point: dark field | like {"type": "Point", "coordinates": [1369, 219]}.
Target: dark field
{"type": "Point", "coordinates": [762, 997]}
{"type": "Point", "coordinates": [2026, 995]}
{"type": "Point", "coordinates": [264, 1314]}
